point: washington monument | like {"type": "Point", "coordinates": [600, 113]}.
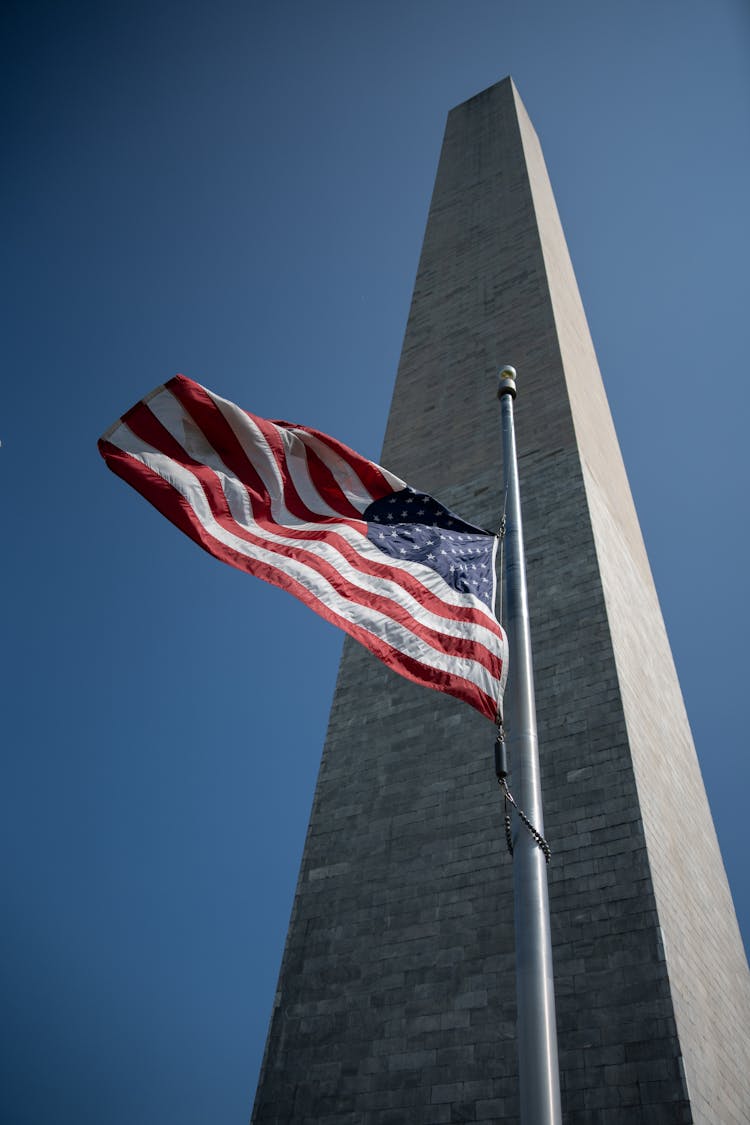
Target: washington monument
{"type": "Point", "coordinates": [396, 998]}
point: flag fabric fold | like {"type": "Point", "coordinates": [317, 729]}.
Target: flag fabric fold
{"type": "Point", "coordinates": [388, 564]}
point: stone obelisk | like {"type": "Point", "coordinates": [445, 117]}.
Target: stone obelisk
{"type": "Point", "coordinates": [396, 1000]}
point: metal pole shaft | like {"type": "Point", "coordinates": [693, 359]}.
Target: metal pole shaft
{"type": "Point", "coordinates": [539, 1077]}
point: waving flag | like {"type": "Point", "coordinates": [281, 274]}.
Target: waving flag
{"type": "Point", "coordinates": [389, 565]}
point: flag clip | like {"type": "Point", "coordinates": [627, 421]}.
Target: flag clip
{"type": "Point", "coordinates": [501, 754]}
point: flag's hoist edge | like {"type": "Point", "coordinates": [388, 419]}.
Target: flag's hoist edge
{"type": "Point", "coordinates": [285, 503]}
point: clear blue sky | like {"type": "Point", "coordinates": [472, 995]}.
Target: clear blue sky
{"type": "Point", "coordinates": [238, 191]}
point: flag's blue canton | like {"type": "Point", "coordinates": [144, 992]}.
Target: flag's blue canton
{"type": "Point", "coordinates": [412, 526]}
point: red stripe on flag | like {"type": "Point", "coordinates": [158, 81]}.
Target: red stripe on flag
{"type": "Point", "coordinates": [327, 486]}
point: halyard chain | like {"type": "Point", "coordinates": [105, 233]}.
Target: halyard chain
{"type": "Point", "coordinates": [501, 771]}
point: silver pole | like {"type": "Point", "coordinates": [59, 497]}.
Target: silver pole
{"type": "Point", "coordinates": [539, 1077]}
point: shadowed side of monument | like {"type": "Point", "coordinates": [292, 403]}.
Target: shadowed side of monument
{"type": "Point", "coordinates": [396, 994]}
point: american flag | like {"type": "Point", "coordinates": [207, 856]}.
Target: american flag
{"type": "Point", "coordinates": [390, 565]}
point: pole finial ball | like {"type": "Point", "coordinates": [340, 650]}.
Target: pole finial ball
{"type": "Point", "coordinates": [507, 384]}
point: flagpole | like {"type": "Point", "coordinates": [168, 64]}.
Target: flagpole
{"type": "Point", "coordinates": [539, 1079]}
